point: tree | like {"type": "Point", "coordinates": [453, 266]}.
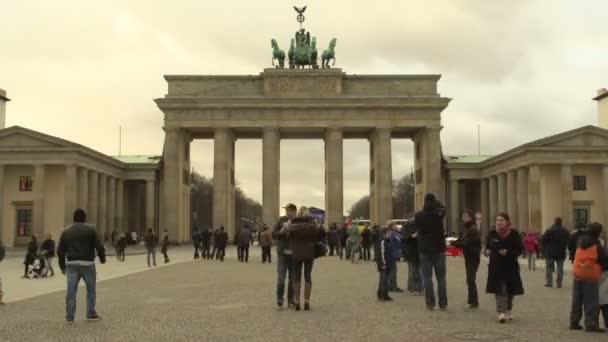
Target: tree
{"type": "Point", "coordinates": [403, 199]}
{"type": "Point", "coordinates": [360, 208]}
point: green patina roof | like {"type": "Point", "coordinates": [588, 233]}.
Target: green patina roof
{"type": "Point", "coordinates": [138, 159]}
{"type": "Point", "coordinates": [467, 159]}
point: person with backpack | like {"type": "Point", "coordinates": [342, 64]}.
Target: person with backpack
{"type": "Point", "coordinates": [589, 260]}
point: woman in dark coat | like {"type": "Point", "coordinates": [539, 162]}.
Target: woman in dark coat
{"type": "Point", "coordinates": [303, 233]}
{"type": "Point", "coordinates": [504, 246]}
{"type": "Point", "coordinates": [32, 249]}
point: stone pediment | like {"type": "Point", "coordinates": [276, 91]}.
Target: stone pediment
{"type": "Point", "coordinates": [587, 136]}
{"type": "Point", "coordinates": [19, 137]}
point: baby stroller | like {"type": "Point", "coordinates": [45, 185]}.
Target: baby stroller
{"type": "Point", "coordinates": [38, 267]}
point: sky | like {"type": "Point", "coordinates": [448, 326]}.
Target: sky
{"type": "Point", "coordinates": [520, 69]}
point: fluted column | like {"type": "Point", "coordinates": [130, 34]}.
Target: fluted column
{"type": "Point", "coordinates": [271, 179]}
{"type": "Point", "coordinates": [120, 205]}
{"type": "Point", "coordinates": [102, 211]}
{"type": "Point", "coordinates": [111, 224]}
{"type": "Point", "coordinates": [567, 209]}
{"type": "Point", "coordinates": [492, 200]}
{"type": "Point", "coordinates": [150, 194]}
{"type": "Point", "coordinates": [382, 176]}
{"type": "Point", "coordinates": [223, 181]}
{"type": "Point", "coordinates": [38, 189]}
{"type": "Point", "coordinates": [534, 198]}
{"type": "Point", "coordinates": [71, 193]}
{"type": "Point", "coordinates": [511, 191]}
{"type": "Point", "coordinates": [522, 199]}
{"type": "Point", "coordinates": [454, 206]}
{"type": "Point", "coordinates": [93, 200]}
{"type": "Point", "coordinates": [334, 182]}
{"type": "Point", "coordinates": [83, 189]}
{"type": "Point", "coordinates": [502, 192]}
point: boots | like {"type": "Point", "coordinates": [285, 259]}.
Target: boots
{"type": "Point", "coordinates": [296, 295]}
{"type": "Point", "coordinates": [307, 291]}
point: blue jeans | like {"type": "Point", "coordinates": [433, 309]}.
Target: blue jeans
{"type": "Point", "coordinates": [428, 262]}
{"type": "Point", "coordinates": [284, 269]}
{"type": "Point", "coordinates": [73, 274]}
{"type": "Point", "coordinates": [550, 268]}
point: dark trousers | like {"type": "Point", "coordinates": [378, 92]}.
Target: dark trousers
{"type": "Point", "coordinates": [196, 256]}
{"type": "Point", "coordinates": [220, 253]}
{"type": "Point", "coordinates": [585, 297]}
{"type": "Point", "coordinates": [392, 275]}
{"type": "Point", "coordinates": [367, 253]}
{"type": "Point", "coordinates": [243, 253]}
{"type": "Point", "coordinates": [266, 255]}
{"type": "Point", "coordinates": [342, 249]}
{"type": "Point", "coordinates": [205, 249]}
{"type": "Point", "coordinates": [383, 282]}
{"type": "Point", "coordinates": [332, 248]}
{"type": "Point", "coordinates": [120, 254]}
{"type": "Point", "coordinates": [471, 266]}
{"type": "Point", "coordinates": [428, 263]}
{"type": "Point", "coordinates": [284, 269]}
{"type": "Point", "coordinates": [604, 311]}
{"type": "Point", "coordinates": [414, 278]}
{"type": "Point", "coordinates": [164, 251]}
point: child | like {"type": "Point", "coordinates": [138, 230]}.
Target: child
{"type": "Point", "coordinates": [589, 260]}
{"type": "Point", "coordinates": [531, 245]}
{"type": "Point", "coordinates": [383, 251]}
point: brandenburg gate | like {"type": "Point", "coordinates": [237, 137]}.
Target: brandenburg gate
{"type": "Point", "coordinates": [297, 103]}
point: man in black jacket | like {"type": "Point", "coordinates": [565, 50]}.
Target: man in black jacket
{"type": "Point", "coordinates": [431, 244]}
{"type": "Point", "coordinates": [220, 241]}
{"type": "Point", "coordinates": [76, 253]}
{"type": "Point", "coordinates": [554, 243]}
{"type": "Point", "coordinates": [471, 246]}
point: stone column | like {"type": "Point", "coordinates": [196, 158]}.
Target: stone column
{"type": "Point", "coordinates": [102, 211]}
{"type": "Point", "coordinates": [223, 181]}
{"type": "Point", "coordinates": [502, 192]}
{"type": "Point", "coordinates": [485, 207]}
{"type": "Point", "coordinates": [383, 177]}
{"type": "Point", "coordinates": [83, 189]}
{"type": "Point", "coordinates": [433, 158]}
{"type": "Point", "coordinates": [522, 199]}
{"type": "Point", "coordinates": [173, 182]}
{"type": "Point", "coordinates": [93, 200]}
{"type": "Point", "coordinates": [492, 200]}
{"type": "Point", "coordinates": [71, 193]}
{"type": "Point", "coordinates": [454, 206]}
{"type": "Point", "coordinates": [150, 204]}
{"type": "Point", "coordinates": [38, 189]}
{"type": "Point", "coordinates": [534, 198]}
{"type": "Point", "coordinates": [120, 205]}
{"type": "Point", "coordinates": [334, 182]}
{"type": "Point", "coordinates": [2, 233]}
{"type": "Point", "coordinates": [567, 208]}
{"type": "Point", "coordinates": [111, 224]}
{"type": "Point", "coordinates": [271, 179]}
{"type": "Point", "coordinates": [511, 192]}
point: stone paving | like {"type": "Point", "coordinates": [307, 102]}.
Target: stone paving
{"type": "Point", "coordinates": [231, 301]}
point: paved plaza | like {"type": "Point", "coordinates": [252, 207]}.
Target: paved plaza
{"type": "Point", "coordinates": [213, 301]}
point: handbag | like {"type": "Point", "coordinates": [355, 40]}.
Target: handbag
{"type": "Point", "coordinates": [320, 250]}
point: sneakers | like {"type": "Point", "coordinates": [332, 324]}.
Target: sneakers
{"type": "Point", "coordinates": [502, 318]}
{"type": "Point", "coordinates": [93, 318]}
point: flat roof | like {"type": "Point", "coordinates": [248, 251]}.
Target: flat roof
{"type": "Point", "coordinates": [138, 159]}
{"type": "Point", "coordinates": [467, 159]}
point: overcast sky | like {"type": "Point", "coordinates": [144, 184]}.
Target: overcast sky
{"type": "Point", "coordinates": [522, 69]}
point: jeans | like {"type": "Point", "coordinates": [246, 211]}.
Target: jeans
{"type": "Point", "coordinates": [383, 284]}
{"type": "Point", "coordinates": [532, 261]}
{"type": "Point", "coordinates": [585, 297]}
{"type": "Point", "coordinates": [243, 253]}
{"type": "Point", "coordinates": [471, 267]}
{"type": "Point", "coordinates": [392, 275]}
{"type": "Point", "coordinates": [428, 262]}
{"type": "Point", "coordinates": [73, 274]}
{"type": "Point", "coordinates": [414, 277]}
{"type": "Point", "coordinates": [151, 252]}
{"type": "Point", "coordinates": [266, 255]}
{"type": "Point", "coordinates": [284, 268]}
{"type": "Point", "coordinates": [550, 268]}
{"type": "Point", "coordinates": [504, 301]}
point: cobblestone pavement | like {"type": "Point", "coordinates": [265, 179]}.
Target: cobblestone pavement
{"type": "Point", "coordinates": [231, 301]}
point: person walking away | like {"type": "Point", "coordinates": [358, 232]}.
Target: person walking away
{"type": "Point", "coordinates": [414, 278]}
{"type": "Point", "coordinates": [244, 240]}
{"type": "Point", "coordinates": [121, 245]}
{"type": "Point", "coordinates": [353, 241]}
{"type": "Point", "coordinates": [587, 271]}
{"type": "Point", "coordinates": [431, 244]}
{"type": "Point", "coordinates": [2, 254]}
{"type": "Point", "coordinates": [30, 254]}
{"type": "Point", "coordinates": [577, 233]}
{"type": "Point", "coordinates": [376, 237]}
{"type": "Point", "coordinates": [284, 256]}
{"type": "Point", "coordinates": [206, 243]}
{"type": "Point", "coordinates": [221, 240]}
{"type": "Point", "coordinates": [266, 244]}
{"type": "Point", "coordinates": [471, 246]}
{"type": "Point", "coordinates": [196, 242]}
{"type": "Point", "coordinates": [164, 246]}
{"type": "Point", "coordinates": [151, 242]}
{"type": "Point", "coordinates": [531, 245]}
{"type": "Point", "coordinates": [332, 239]}
{"type": "Point", "coordinates": [366, 243]}
{"type": "Point", "coordinates": [48, 246]}
{"type": "Point", "coordinates": [343, 235]}
{"type": "Point", "coordinates": [383, 253]}
{"type": "Point", "coordinates": [302, 234]}
{"type": "Point", "coordinates": [554, 243]}
{"type": "Point", "coordinates": [78, 245]}
{"type": "Point", "coordinates": [504, 246]}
